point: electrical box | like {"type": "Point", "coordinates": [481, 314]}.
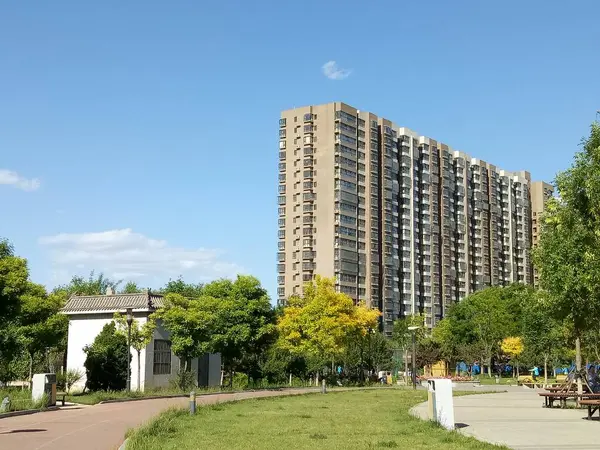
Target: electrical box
{"type": "Point", "coordinates": [44, 384]}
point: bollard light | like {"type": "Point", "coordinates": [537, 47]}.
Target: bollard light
{"type": "Point", "coordinates": [192, 403]}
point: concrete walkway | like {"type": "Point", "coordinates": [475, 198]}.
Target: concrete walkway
{"type": "Point", "coordinates": [100, 427]}
{"type": "Point", "coordinates": [516, 419]}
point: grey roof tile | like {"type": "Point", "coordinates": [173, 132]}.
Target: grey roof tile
{"type": "Point", "coordinates": [115, 302]}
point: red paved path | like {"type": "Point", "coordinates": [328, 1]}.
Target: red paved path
{"type": "Point", "coordinates": [99, 427]}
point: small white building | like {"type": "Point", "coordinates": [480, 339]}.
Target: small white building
{"type": "Point", "coordinates": [88, 315]}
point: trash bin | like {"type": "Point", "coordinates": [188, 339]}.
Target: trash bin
{"type": "Point", "coordinates": [44, 384]}
{"type": "Point", "coordinates": [441, 403]}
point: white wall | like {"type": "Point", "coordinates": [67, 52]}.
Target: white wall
{"type": "Point", "coordinates": [83, 329]}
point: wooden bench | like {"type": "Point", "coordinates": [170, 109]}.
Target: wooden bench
{"type": "Point", "coordinates": [562, 397]}
{"type": "Point", "coordinates": [62, 396]}
{"type": "Point", "coordinates": [593, 405]}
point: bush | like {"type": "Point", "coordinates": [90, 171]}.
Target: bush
{"type": "Point", "coordinates": [106, 361]}
{"type": "Point", "coordinates": [184, 381]}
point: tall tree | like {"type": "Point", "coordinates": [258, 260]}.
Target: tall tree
{"type": "Point", "coordinates": [40, 324]}
{"type": "Point", "coordinates": [189, 322]}
{"type": "Point", "coordinates": [543, 335]}
{"type": "Point", "coordinates": [320, 323]}
{"type": "Point", "coordinates": [182, 288]}
{"type": "Point", "coordinates": [13, 282]}
{"type": "Point", "coordinates": [568, 254]}
{"type": "Point", "coordinates": [244, 325]}
{"type": "Point", "coordinates": [482, 319]}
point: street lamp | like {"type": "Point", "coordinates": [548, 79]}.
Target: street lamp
{"type": "Point", "coordinates": [413, 330]}
{"type": "Point", "coordinates": [129, 322]}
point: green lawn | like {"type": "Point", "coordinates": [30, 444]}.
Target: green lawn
{"type": "Point", "coordinates": [92, 398]}
{"type": "Point", "coordinates": [20, 400]}
{"type": "Point", "coordinates": [369, 419]}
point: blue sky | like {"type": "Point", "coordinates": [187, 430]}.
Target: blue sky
{"type": "Point", "coordinates": [140, 138]}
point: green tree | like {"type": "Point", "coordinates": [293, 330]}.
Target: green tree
{"type": "Point", "coordinates": [13, 282]}
{"type": "Point", "coordinates": [182, 288]}
{"type": "Point", "coordinates": [189, 322]}
{"type": "Point", "coordinates": [483, 319]}
{"type": "Point", "coordinates": [93, 285]}
{"type": "Point", "coordinates": [131, 287]}
{"type": "Point", "coordinates": [402, 336]}
{"type": "Point", "coordinates": [568, 254]}
{"type": "Point", "coordinates": [543, 335]}
{"type": "Point", "coordinates": [106, 361]}
{"type": "Point", "coordinates": [244, 325]}
{"type": "Point", "coordinates": [40, 324]}
{"type": "Point", "coordinates": [141, 335]}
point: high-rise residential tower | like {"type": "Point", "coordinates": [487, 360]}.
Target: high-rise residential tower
{"type": "Point", "coordinates": [400, 220]}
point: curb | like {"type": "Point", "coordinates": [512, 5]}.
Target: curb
{"type": "Point", "coordinates": [26, 412]}
{"type": "Point", "coordinates": [124, 444]}
{"type": "Point", "coordinates": [207, 394]}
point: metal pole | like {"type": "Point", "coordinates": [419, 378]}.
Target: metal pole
{"type": "Point", "coordinates": [414, 353]}
{"type": "Point", "coordinates": [129, 357]}
{"type": "Point", "coordinates": [192, 403]}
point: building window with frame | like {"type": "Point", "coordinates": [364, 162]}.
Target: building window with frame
{"type": "Point", "coordinates": [162, 357]}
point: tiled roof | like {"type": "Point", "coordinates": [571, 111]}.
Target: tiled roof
{"type": "Point", "coordinates": [115, 302]}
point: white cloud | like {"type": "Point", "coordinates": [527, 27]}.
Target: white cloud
{"type": "Point", "coordinates": [10, 178]}
{"type": "Point", "coordinates": [332, 71]}
{"type": "Point", "coordinates": [124, 254]}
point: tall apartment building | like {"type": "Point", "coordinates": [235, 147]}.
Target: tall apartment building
{"type": "Point", "coordinates": [540, 193]}
{"type": "Point", "coordinates": [400, 220]}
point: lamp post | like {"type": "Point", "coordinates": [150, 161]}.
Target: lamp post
{"type": "Point", "coordinates": [413, 330]}
{"type": "Point", "coordinates": [129, 322]}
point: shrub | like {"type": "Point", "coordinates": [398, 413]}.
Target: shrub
{"type": "Point", "coordinates": [106, 361]}
{"type": "Point", "coordinates": [184, 380]}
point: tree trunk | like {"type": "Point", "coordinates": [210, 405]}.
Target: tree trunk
{"type": "Point", "coordinates": [290, 378]}
{"type": "Point", "coordinates": [578, 364]}
{"type": "Point", "coordinates": [489, 371]}
{"type": "Point", "coordinates": [406, 367]}
{"type": "Point", "coordinates": [317, 378]}
{"type": "Point", "coordinates": [545, 370]}
{"type": "Point", "coordinates": [231, 377]}
{"type": "Point", "coordinates": [30, 371]}
{"type": "Point", "coordinates": [517, 370]}
{"type": "Point", "coordinates": [139, 370]}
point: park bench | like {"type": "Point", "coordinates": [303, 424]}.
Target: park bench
{"type": "Point", "coordinates": [62, 396]}
{"type": "Point", "coordinates": [562, 397]}
{"type": "Point", "coordinates": [593, 405]}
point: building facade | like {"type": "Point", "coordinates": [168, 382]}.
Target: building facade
{"type": "Point", "coordinates": [401, 221]}
{"type": "Point", "coordinates": [540, 193]}
{"type": "Point", "coordinates": [158, 365]}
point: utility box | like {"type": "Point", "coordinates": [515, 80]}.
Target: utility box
{"type": "Point", "coordinates": [441, 402]}
{"type": "Point", "coordinates": [44, 384]}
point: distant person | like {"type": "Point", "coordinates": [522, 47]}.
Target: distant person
{"type": "Point", "coordinates": [535, 373]}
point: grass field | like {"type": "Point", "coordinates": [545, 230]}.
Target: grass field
{"type": "Point", "coordinates": [370, 419]}
{"type": "Point", "coordinates": [20, 400]}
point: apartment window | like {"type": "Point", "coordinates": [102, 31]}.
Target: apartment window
{"type": "Point", "coordinates": [281, 245]}
{"type": "Point", "coordinates": [281, 188]}
{"type": "Point", "coordinates": [307, 242]}
{"type": "Point", "coordinates": [281, 292]}
{"type": "Point", "coordinates": [281, 199]}
{"type": "Point", "coordinates": [282, 210]}
{"type": "Point", "coordinates": [282, 122]}
{"type": "Point", "coordinates": [281, 234]}
{"type": "Point", "coordinates": [308, 185]}
{"type": "Point", "coordinates": [162, 357]}
{"type": "Point", "coordinates": [307, 208]}
{"type": "Point", "coordinates": [280, 256]}
{"type": "Point", "coordinates": [280, 268]}
{"type": "Point", "coordinates": [308, 117]}
{"type": "Point", "coordinates": [281, 145]}
{"type": "Point", "coordinates": [281, 133]}
{"type": "Point", "coordinates": [280, 279]}
{"type": "Point", "coordinates": [282, 222]}
{"type": "Point", "coordinates": [281, 155]}
{"type": "Point", "coordinates": [308, 174]}
{"type": "Point", "coordinates": [282, 167]}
